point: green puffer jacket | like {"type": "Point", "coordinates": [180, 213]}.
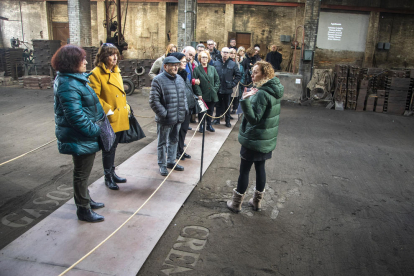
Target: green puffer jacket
{"type": "Point", "coordinates": [259, 127]}
{"type": "Point", "coordinates": [77, 108]}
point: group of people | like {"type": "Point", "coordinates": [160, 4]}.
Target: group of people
{"type": "Point", "coordinates": [180, 81]}
{"type": "Point", "coordinates": [81, 100]}
{"type": "Point", "coordinates": [214, 76]}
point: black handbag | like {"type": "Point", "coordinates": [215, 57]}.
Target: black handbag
{"type": "Point", "coordinates": [107, 136]}
{"type": "Point", "coordinates": [134, 133]}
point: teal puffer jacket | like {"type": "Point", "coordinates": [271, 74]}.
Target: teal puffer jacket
{"type": "Point", "coordinates": [259, 127]}
{"type": "Point", "coordinates": [77, 108]}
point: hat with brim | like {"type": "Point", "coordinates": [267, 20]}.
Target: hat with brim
{"type": "Point", "coordinates": [171, 60]}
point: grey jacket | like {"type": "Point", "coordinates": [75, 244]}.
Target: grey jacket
{"type": "Point", "coordinates": [156, 67]}
{"type": "Point", "coordinates": [168, 99]}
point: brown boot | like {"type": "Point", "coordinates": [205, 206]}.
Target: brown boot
{"type": "Point", "coordinates": [235, 204]}
{"type": "Point", "coordinates": [255, 202]}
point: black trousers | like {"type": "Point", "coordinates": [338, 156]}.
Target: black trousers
{"type": "Point", "coordinates": [224, 100]}
{"type": "Point", "coordinates": [243, 181]}
{"type": "Point", "coordinates": [82, 167]}
{"type": "Point", "coordinates": [236, 103]}
{"type": "Point", "coordinates": [210, 110]}
{"type": "Point", "coordinates": [182, 133]}
{"type": "Point", "coordinates": [108, 157]}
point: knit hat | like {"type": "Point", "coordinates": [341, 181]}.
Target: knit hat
{"type": "Point", "coordinates": [177, 55]}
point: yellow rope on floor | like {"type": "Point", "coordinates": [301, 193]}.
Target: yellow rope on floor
{"type": "Point", "coordinates": [27, 152]}
{"type": "Point", "coordinates": [156, 190]}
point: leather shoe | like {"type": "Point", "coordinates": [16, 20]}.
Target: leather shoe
{"type": "Point", "coordinates": [210, 128]}
{"type": "Point", "coordinates": [179, 155]}
{"type": "Point", "coordinates": [231, 118]}
{"type": "Point", "coordinates": [228, 125]}
{"type": "Point", "coordinates": [163, 171]}
{"type": "Point", "coordinates": [110, 183]}
{"type": "Point", "coordinates": [117, 179]}
{"type": "Point", "coordinates": [189, 128]}
{"type": "Point", "coordinates": [187, 156]}
{"type": "Point", "coordinates": [233, 112]}
{"type": "Point", "coordinates": [88, 215]}
{"type": "Point", "coordinates": [177, 168]}
{"type": "Point", "coordinates": [201, 129]}
{"type": "Point", "coordinates": [216, 122]}
{"type": "Point", "coordinates": [96, 205]}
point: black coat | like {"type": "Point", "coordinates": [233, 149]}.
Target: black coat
{"type": "Point", "coordinates": [168, 99]}
{"type": "Point", "coordinates": [248, 63]}
{"type": "Point", "coordinates": [188, 89]}
{"type": "Point", "coordinates": [274, 58]}
{"type": "Point", "coordinates": [229, 75]}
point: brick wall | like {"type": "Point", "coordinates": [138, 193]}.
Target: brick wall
{"type": "Point", "coordinates": [79, 12]}
{"type": "Point", "coordinates": [171, 23]}
{"type": "Point", "coordinates": [398, 29]}
{"type": "Point", "coordinates": [211, 23]}
{"type": "Point", "coordinates": [59, 12]}
{"type": "Point", "coordinates": [187, 19]}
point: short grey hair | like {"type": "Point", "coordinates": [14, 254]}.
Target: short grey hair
{"type": "Point", "coordinates": [210, 40]}
{"type": "Point", "coordinates": [225, 48]}
{"type": "Point", "coordinates": [188, 49]}
{"type": "Point", "coordinates": [201, 45]}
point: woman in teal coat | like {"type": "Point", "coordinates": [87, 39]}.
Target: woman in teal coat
{"type": "Point", "coordinates": [207, 86]}
{"type": "Point", "coordinates": [77, 109]}
{"type": "Point", "coordinates": [258, 132]}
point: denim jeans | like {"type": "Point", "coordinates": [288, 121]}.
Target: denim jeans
{"type": "Point", "coordinates": [167, 142]}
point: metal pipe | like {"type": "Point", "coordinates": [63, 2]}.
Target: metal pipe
{"type": "Point", "coordinates": [108, 27]}
{"type": "Point", "coordinates": [202, 146]}
{"type": "Point", "coordinates": [119, 19]}
{"type": "Point", "coordinates": [185, 23]}
{"type": "Point", "coordinates": [21, 20]}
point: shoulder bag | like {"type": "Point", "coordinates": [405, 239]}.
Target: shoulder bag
{"type": "Point", "coordinates": [134, 133]}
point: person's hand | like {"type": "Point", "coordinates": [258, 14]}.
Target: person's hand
{"type": "Point", "coordinates": [200, 97]}
{"type": "Point", "coordinates": [247, 94]}
{"type": "Point", "coordinates": [197, 82]}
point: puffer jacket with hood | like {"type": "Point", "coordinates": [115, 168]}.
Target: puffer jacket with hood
{"type": "Point", "coordinates": [259, 128]}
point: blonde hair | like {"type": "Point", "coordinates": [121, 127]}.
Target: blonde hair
{"type": "Point", "coordinates": [208, 56]}
{"type": "Point", "coordinates": [266, 69]}
{"type": "Point", "coordinates": [241, 48]}
{"type": "Point", "coordinates": [169, 49]}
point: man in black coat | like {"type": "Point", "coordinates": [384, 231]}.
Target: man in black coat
{"type": "Point", "coordinates": [230, 76]}
{"type": "Point", "coordinates": [214, 53]}
{"type": "Point", "coordinates": [169, 102]}
{"type": "Point", "coordinates": [274, 58]}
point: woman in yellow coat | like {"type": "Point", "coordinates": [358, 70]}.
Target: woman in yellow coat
{"type": "Point", "coordinates": [107, 82]}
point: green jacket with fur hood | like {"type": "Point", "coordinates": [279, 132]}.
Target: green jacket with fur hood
{"type": "Point", "coordinates": [259, 127]}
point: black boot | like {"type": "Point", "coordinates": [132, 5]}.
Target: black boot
{"type": "Point", "coordinates": [96, 205]}
{"type": "Point", "coordinates": [117, 179]}
{"type": "Point", "coordinates": [110, 183]}
{"type": "Point", "coordinates": [210, 128]}
{"type": "Point", "coordinates": [88, 215]}
{"type": "Point", "coordinates": [201, 129]}
{"type": "Point", "coordinates": [216, 122]}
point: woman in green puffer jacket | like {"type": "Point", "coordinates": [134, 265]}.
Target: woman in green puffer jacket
{"type": "Point", "coordinates": [258, 132]}
{"type": "Point", "coordinates": [77, 108]}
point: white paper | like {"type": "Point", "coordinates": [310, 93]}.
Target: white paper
{"type": "Point", "coordinates": [297, 81]}
{"type": "Point", "coordinates": [110, 112]}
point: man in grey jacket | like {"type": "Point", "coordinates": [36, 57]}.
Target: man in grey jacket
{"type": "Point", "coordinates": [169, 102]}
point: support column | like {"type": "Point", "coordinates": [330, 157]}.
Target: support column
{"type": "Point", "coordinates": [372, 39]}
{"type": "Point", "coordinates": [186, 22]}
{"type": "Point", "coordinates": [229, 21]}
{"type": "Point", "coordinates": [79, 13]}
{"type": "Point", "coordinates": [310, 23]}
{"type": "Point", "coordinates": [162, 28]}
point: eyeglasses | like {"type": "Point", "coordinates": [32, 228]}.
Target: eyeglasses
{"type": "Point", "coordinates": [225, 52]}
{"type": "Point", "coordinates": [173, 64]}
{"type": "Point", "coordinates": [183, 62]}
{"type": "Point", "coordinates": [204, 57]}
{"type": "Point", "coordinates": [210, 44]}
{"type": "Point", "coordinates": [108, 45]}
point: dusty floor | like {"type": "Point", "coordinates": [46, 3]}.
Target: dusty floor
{"type": "Point", "coordinates": [338, 199]}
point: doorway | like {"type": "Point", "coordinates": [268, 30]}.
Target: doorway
{"type": "Point", "coordinates": [61, 32]}
{"type": "Point", "coordinates": [242, 39]}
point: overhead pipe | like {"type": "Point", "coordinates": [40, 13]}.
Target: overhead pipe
{"type": "Point", "coordinates": [296, 44]}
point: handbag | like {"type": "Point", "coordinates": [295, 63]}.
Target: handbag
{"type": "Point", "coordinates": [134, 133]}
{"type": "Point", "coordinates": [202, 105]}
{"type": "Point", "coordinates": [107, 136]}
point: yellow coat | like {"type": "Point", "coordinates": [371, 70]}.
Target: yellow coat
{"type": "Point", "coordinates": [109, 88]}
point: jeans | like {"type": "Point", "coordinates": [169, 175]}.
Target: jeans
{"type": "Point", "coordinates": [245, 167]}
{"type": "Point", "coordinates": [108, 157]}
{"type": "Point", "coordinates": [167, 142]}
{"type": "Point", "coordinates": [82, 169]}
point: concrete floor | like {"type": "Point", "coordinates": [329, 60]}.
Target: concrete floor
{"type": "Point", "coordinates": [338, 198]}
